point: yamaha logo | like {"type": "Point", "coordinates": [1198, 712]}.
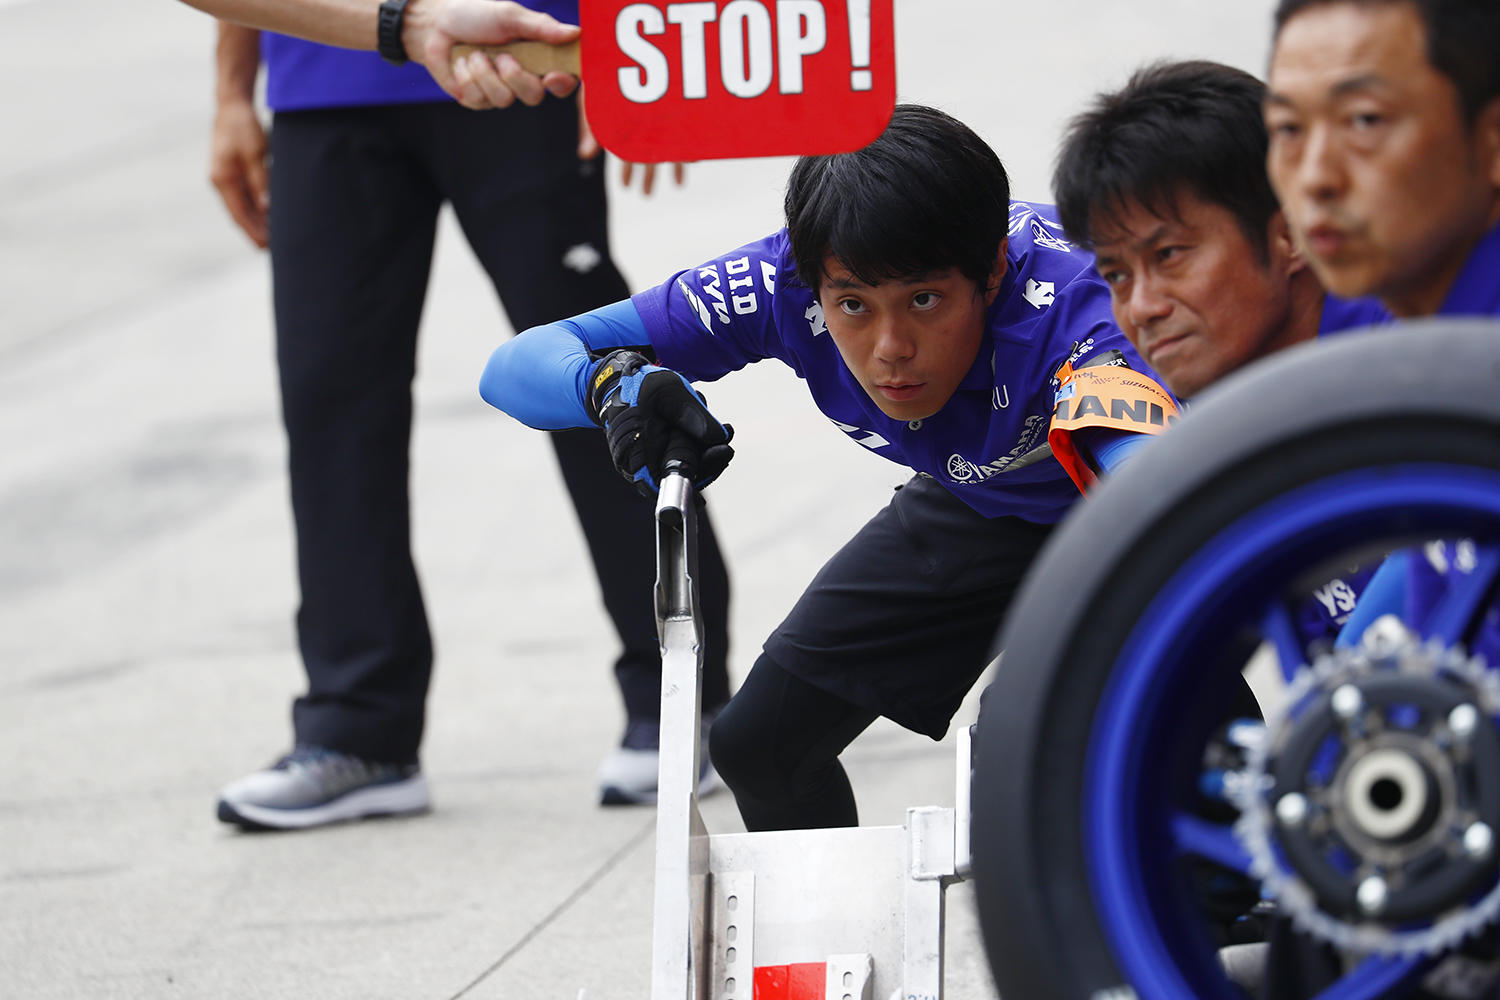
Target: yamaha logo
{"type": "Point", "coordinates": [960, 469]}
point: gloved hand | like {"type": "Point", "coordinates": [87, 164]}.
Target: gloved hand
{"type": "Point", "coordinates": [653, 418]}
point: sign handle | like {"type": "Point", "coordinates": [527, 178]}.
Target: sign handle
{"type": "Point", "coordinates": [537, 57]}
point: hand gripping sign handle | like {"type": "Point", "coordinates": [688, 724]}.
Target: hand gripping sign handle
{"type": "Point", "coordinates": [681, 840]}
{"type": "Point", "coordinates": [537, 57]}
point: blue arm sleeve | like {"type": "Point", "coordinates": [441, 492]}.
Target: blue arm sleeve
{"type": "Point", "coordinates": [1110, 448]}
{"type": "Point", "coordinates": [541, 377]}
{"type": "Point", "coordinates": [1384, 594]}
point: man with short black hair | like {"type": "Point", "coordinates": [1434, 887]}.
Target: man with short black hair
{"type": "Point", "coordinates": [1384, 122]}
{"type": "Point", "coordinates": [1165, 181]}
{"type": "Point", "coordinates": [936, 323]}
{"type": "Point", "coordinates": [1384, 125]}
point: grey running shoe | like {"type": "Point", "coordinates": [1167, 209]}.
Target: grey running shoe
{"type": "Point", "coordinates": [314, 786]}
{"type": "Point", "coordinates": [628, 774]}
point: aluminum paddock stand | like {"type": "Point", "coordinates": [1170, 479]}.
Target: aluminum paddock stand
{"type": "Point", "coordinates": [848, 914]}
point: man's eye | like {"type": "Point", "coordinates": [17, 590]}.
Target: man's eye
{"type": "Point", "coordinates": [851, 307]}
{"type": "Point", "coordinates": [1112, 277]}
{"type": "Point", "coordinates": [926, 300]}
{"type": "Point", "coordinates": [1283, 130]}
{"type": "Point", "coordinates": [1167, 253]}
{"type": "Point", "coordinates": [1366, 120]}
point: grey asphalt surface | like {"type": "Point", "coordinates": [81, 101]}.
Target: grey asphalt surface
{"type": "Point", "coordinates": [146, 574]}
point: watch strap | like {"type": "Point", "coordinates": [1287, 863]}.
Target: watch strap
{"type": "Point", "coordinates": [388, 32]}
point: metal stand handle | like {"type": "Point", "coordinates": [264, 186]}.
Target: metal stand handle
{"type": "Point", "coordinates": [681, 839]}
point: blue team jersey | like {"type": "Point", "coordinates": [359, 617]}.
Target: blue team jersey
{"type": "Point", "coordinates": [1439, 565]}
{"type": "Point", "coordinates": [1476, 290]}
{"type": "Point", "coordinates": [1345, 315]}
{"type": "Point", "coordinates": [302, 75]}
{"type": "Point", "coordinates": [1052, 308]}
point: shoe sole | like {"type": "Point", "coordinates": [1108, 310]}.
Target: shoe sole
{"type": "Point", "coordinates": [398, 798]}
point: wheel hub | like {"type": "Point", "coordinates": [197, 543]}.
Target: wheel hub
{"type": "Point", "coordinates": [1373, 804]}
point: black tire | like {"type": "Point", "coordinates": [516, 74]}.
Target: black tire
{"type": "Point", "coordinates": [1426, 391]}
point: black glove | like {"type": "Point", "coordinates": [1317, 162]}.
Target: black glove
{"type": "Point", "coordinates": [653, 419]}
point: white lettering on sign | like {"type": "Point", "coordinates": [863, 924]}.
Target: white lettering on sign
{"type": "Point", "coordinates": [801, 31]}
{"type": "Point", "coordinates": [745, 48]}
{"type": "Point", "coordinates": [751, 53]}
{"type": "Point", "coordinates": [693, 17]}
{"type": "Point", "coordinates": [647, 81]}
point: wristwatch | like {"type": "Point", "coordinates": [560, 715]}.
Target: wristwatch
{"type": "Point", "coordinates": [388, 32]}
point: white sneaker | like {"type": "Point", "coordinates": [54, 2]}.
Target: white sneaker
{"type": "Point", "coordinates": [628, 774]}
{"type": "Point", "coordinates": [314, 786]}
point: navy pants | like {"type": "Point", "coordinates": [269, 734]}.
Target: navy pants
{"type": "Point", "coordinates": [355, 195]}
{"type": "Point", "coordinates": [900, 622]}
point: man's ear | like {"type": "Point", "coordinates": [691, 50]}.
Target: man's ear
{"type": "Point", "coordinates": [1281, 248]}
{"type": "Point", "coordinates": [997, 273]}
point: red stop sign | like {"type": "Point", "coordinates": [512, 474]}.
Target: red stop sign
{"type": "Point", "coordinates": [705, 79]}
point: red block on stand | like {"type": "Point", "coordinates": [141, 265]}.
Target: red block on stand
{"type": "Point", "coordinates": [798, 981]}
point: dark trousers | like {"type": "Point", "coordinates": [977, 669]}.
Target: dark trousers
{"type": "Point", "coordinates": [900, 622]}
{"type": "Point", "coordinates": [355, 195]}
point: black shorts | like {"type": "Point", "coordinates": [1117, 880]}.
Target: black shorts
{"type": "Point", "coordinates": [903, 619]}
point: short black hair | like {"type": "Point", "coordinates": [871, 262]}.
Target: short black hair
{"type": "Point", "coordinates": [926, 195]}
{"type": "Point", "coordinates": [1463, 43]}
{"type": "Point", "coordinates": [1176, 127]}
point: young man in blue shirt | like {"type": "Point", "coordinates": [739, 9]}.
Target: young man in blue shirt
{"type": "Point", "coordinates": [928, 315]}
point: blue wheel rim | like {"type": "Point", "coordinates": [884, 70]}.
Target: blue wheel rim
{"type": "Point", "coordinates": [1158, 943]}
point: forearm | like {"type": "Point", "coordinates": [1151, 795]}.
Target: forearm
{"type": "Point", "coordinates": [541, 377]}
{"type": "Point", "coordinates": [349, 24]}
{"type": "Point", "coordinates": [236, 63]}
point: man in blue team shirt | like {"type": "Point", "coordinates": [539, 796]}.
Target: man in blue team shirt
{"type": "Point", "coordinates": [1384, 125]}
{"type": "Point", "coordinates": [1384, 122]}
{"type": "Point", "coordinates": [1165, 181]}
{"type": "Point", "coordinates": [365, 155]}
{"type": "Point", "coordinates": [928, 315]}
{"type": "Point", "coordinates": [425, 32]}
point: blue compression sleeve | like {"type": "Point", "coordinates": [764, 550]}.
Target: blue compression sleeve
{"type": "Point", "coordinates": [1112, 448]}
{"type": "Point", "coordinates": [541, 377]}
{"type": "Point", "coordinates": [1384, 594]}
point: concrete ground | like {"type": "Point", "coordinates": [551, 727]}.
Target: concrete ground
{"type": "Point", "coordinates": [146, 576]}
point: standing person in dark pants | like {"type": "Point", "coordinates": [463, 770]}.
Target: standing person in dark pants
{"type": "Point", "coordinates": [364, 155]}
